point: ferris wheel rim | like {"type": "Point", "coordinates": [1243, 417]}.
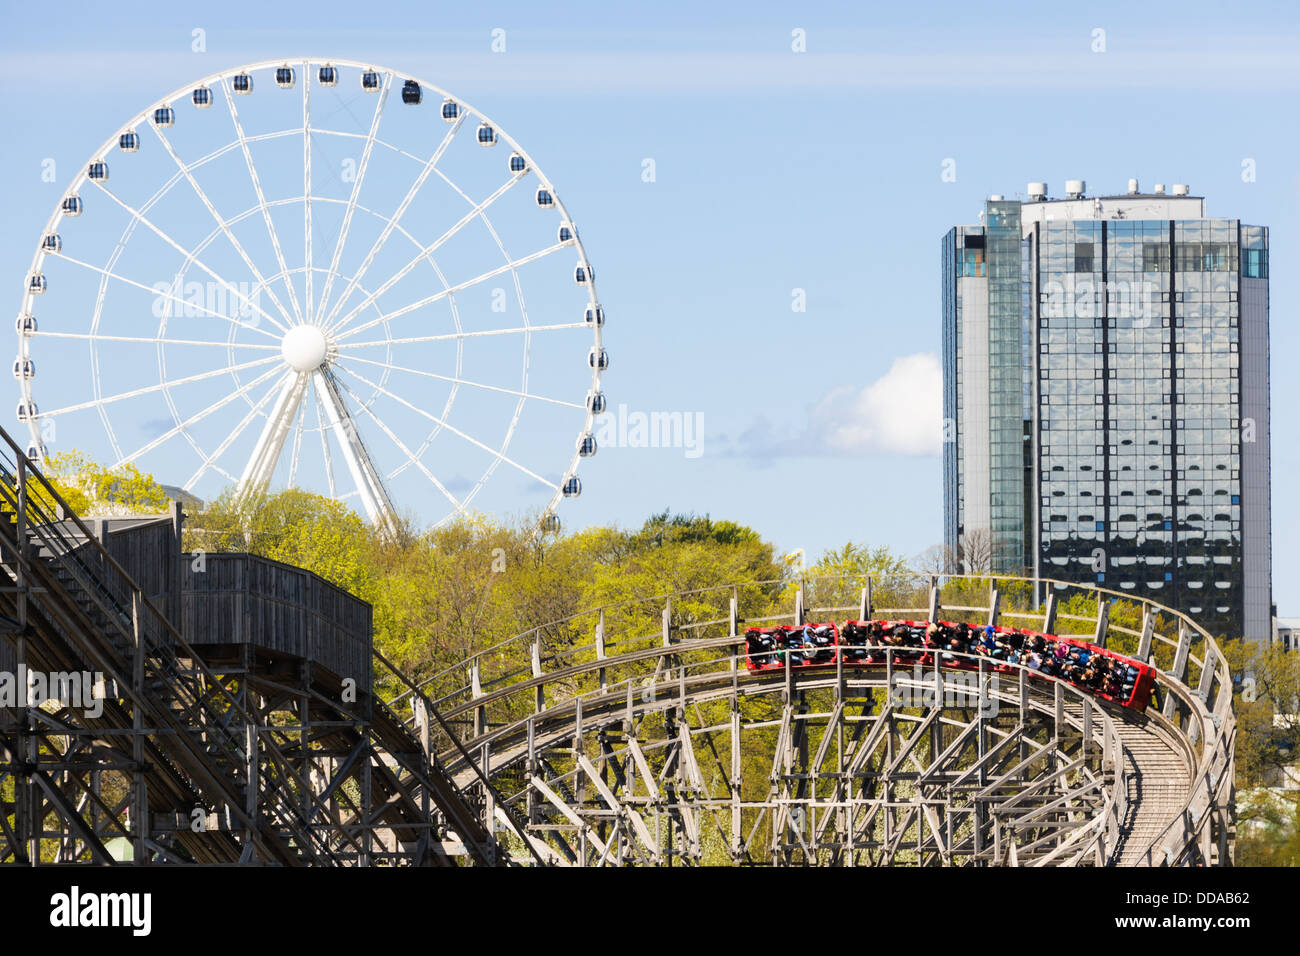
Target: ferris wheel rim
{"type": "Point", "coordinates": [466, 111]}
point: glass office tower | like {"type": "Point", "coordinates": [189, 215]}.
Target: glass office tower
{"type": "Point", "coordinates": [1106, 398]}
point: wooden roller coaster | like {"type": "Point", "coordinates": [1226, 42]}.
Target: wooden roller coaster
{"type": "Point", "coordinates": [232, 717]}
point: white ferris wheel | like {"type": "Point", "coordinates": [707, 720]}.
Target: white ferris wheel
{"type": "Point", "coordinates": [322, 274]}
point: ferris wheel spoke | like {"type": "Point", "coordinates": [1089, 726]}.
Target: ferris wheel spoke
{"type": "Point", "coordinates": [261, 197]}
{"type": "Point", "coordinates": [487, 223]}
{"type": "Point", "coordinates": [297, 444]}
{"type": "Point", "coordinates": [462, 381]}
{"type": "Point", "coordinates": [89, 337]}
{"type": "Point", "coordinates": [468, 283]}
{"type": "Point", "coordinates": [189, 256]}
{"type": "Point", "coordinates": [429, 250]}
{"type": "Point", "coordinates": [135, 393]}
{"type": "Point", "coordinates": [266, 453]}
{"type": "Point", "coordinates": [365, 477]}
{"type": "Point", "coordinates": [449, 336]}
{"type": "Point", "coordinates": [221, 223]}
{"type": "Point", "coordinates": [410, 455]}
{"type": "Point", "coordinates": [211, 460]}
{"type": "Point", "coordinates": [325, 446]}
{"type": "Point", "coordinates": [453, 429]}
{"type": "Point", "coordinates": [309, 275]}
{"type": "Point", "coordinates": [396, 217]}
{"type": "Point", "coordinates": [108, 273]}
{"type": "Point", "coordinates": [364, 165]}
{"type": "Point", "coordinates": [196, 418]}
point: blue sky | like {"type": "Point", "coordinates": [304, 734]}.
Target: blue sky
{"type": "Point", "coordinates": [774, 171]}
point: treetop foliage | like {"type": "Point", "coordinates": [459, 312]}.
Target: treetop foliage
{"type": "Point", "coordinates": [92, 490]}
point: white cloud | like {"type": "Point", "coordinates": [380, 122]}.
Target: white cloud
{"type": "Point", "coordinates": [900, 412]}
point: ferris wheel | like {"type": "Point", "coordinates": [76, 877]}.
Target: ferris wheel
{"type": "Point", "coordinates": [301, 265]}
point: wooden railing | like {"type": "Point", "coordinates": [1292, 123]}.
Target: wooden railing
{"type": "Point", "coordinates": [583, 655]}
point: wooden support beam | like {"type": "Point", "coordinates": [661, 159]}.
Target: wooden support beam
{"type": "Point", "coordinates": [475, 692]}
{"type": "Point", "coordinates": [1179, 670]}
{"type": "Point", "coordinates": [567, 812]}
{"type": "Point", "coordinates": [643, 768]}
{"type": "Point", "coordinates": [1049, 613]}
{"type": "Point", "coordinates": [736, 774]}
{"type": "Point", "coordinates": [1206, 680]}
{"type": "Point", "coordinates": [1103, 621]}
{"type": "Point", "coordinates": [638, 824]}
{"type": "Point", "coordinates": [539, 693]}
{"type": "Point", "coordinates": [1148, 633]}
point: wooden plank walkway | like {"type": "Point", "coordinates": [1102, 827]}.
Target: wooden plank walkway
{"type": "Point", "coordinates": [1158, 786]}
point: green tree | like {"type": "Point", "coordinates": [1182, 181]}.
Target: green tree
{"type": "Point", "coordinates": [90, 489]}
{"type": "Point", "coordinates": [842, 572]}
{"type": "Point", "coordinates": [1268, 828]}
{"type": "Point", "coordinates": [675, 554]}
{"type": "Point", "coordinates": [1267, 704]}
{"type": "Point", "coordinates": [858, 561]}
{"type": "Point", "coordinates": [294, 526]}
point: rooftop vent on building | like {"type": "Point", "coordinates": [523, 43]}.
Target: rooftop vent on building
{"type": "Point", "coordinates": [1037, 192]}
{"type": "Point", "coordinates": [1133, 187]}
{"type": "Point", "coordinates": [1074, 188]}
{"type": "Point", "coordinates": [1180, 189]}
{"type": "Point", "coordinates": [1160, 189]}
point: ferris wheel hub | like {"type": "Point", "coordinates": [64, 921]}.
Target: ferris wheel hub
{"type": "Point", "coordinates": [304, 347]}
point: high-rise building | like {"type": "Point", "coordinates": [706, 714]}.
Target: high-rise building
{"type": "Point", "coordinates": [1106, 398]}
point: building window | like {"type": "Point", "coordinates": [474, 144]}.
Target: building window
{"type": "Point", "coordinates": [1218, 256]}
{"type": "Point", "coordinates": [1155, 257]}
{"type": "Point", "coordinates": [1256, 264]}
{"type": "Point", "coordinates": [971, 257]}
{"type": "Point", "coordinates": [1083, 257]}
{"type": "Point", "coordinates": [1204, 257]}
{"type": "Point", "coordinates": [1187, 257]}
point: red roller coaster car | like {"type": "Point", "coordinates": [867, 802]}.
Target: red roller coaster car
{"type": "Point", "coordinates": [807, 645]}
{"type": "Point", "coordinates": [1097, 670]}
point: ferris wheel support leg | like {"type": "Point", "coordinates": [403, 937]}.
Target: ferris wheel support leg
{"type": "Point", "coordinates": [370, 485]}
{"type": "Point", "coordinates": [261, 465]}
